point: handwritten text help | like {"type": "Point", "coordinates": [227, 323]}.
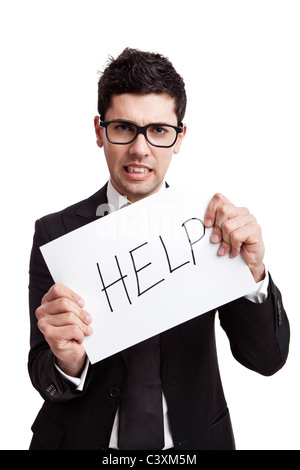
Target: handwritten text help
{"type": "Point", "coordinates": [145, 269]}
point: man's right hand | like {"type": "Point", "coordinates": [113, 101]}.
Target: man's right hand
{"type": "Point", "coordinates": [64, 323]}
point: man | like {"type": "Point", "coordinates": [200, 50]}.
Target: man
{"type": "Point", "coordinates": [141, 103]}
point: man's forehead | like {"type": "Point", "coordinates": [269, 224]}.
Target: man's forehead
{"type": "Point", "coordinates": [151, 106]}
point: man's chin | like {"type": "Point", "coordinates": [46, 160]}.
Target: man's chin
{"type": "Point", "coordinates": [139, 190]}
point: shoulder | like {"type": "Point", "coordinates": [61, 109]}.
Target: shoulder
{"type": "Point", "coordinates": [74, 216]}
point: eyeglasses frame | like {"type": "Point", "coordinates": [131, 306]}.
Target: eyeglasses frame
{"type": "Point", "coordinates": [142, 130]}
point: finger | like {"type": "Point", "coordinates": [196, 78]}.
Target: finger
{"type": "Point", "coordinates": [58, 338]}
{"type": "Point", "coordinates": [228, 218]}
{"type": "Point", "coordinates": [234, 219]}
{"type": "Point", "coordinates": [61, 305]}
{"type": "Point", "coordinates": [238, 237]}
{"type": "Point", "coordinates": [233, 248]}
{"type": "Point", "coordinates": [59, 290]}
{"type": "Point", "coordinates": [210, 214]}
{"type": "Point", "coordinates": [64, 319]}
{"type": "Point", "coordinates": [242, 234]}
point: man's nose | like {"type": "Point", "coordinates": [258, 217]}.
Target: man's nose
{"type": "Point", "coordinates": [140, 146]}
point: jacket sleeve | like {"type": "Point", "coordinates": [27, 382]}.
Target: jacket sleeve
{"type": "Point", "coordinates": [43, 373]}
{"type": "Point", "coordinates": [259, 334]}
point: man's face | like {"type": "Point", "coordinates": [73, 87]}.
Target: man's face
{"type": "Point", "coordinates": [138, 169]}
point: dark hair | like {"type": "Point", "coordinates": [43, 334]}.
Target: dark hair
{"type": "Point", "coordinates": [134, 71]}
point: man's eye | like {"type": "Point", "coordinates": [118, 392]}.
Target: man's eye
{"type": "Point", "coordinates": [158, 130]}
{"type": "Point", "coordinates": [122, 127]}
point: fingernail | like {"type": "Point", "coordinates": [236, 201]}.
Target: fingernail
{"type": "Point", "coordinates": [88, 319]}
{"type": "Point", "coordinates": [221, 251]}
{"type": "Point", "coordinates": [89, 330]}
{"type": "Point", "coordinates": [208, 222]}
{"type": "Point", "coordinates": [215, 238]}
{"type": "Point", "coordinates": [80, 302]}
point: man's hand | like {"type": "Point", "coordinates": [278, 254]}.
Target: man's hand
{"type": "Point", "coordinates": [237, 231]}
{"type": "Point", "coordinates": [64, 324]}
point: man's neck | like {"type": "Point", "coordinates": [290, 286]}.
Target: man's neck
{"type": "Point", "coordinates": [117, 200]}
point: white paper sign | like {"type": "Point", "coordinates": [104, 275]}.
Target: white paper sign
{"type": "Point", "coordinates": [145, 269]}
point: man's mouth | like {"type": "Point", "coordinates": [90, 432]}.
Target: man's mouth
{"type": "Point", "coordinates": [137, 169]}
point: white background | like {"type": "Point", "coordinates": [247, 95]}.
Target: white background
{"type": "Point", "coordinates": [240, 62]}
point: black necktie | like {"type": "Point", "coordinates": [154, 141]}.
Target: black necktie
{"type": "Point", "coordinates": [141, 416]}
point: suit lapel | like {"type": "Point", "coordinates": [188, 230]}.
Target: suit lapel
{"type": "Point", "coordinates": [85, 212]}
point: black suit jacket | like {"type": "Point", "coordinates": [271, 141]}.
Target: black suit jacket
{"type": "Point", "coordinates": [198, 413]}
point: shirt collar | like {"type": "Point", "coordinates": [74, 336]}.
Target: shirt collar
{"type": "Point", "coordinates": [114, 198]}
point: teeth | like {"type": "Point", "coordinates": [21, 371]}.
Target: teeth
{"type": "Point", "coordinates": [136, 169]}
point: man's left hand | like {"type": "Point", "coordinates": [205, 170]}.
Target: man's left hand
{"type": "Point", "coordinates": [237, 231]}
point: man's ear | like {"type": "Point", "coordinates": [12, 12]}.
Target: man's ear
{"type": "Point", "coordinates": [99, 131]}
{"type": "Point", "coordinates": [180, 139]}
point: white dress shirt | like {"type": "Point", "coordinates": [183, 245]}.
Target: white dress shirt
{"type": "Point", "coordinates": [115, 202]}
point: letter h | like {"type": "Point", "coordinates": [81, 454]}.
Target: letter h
{"type": "Point", "coordinates": [117, 280]}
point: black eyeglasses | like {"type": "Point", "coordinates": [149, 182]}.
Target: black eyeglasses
{"type": "Point", "coordinates": [125, 132]}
